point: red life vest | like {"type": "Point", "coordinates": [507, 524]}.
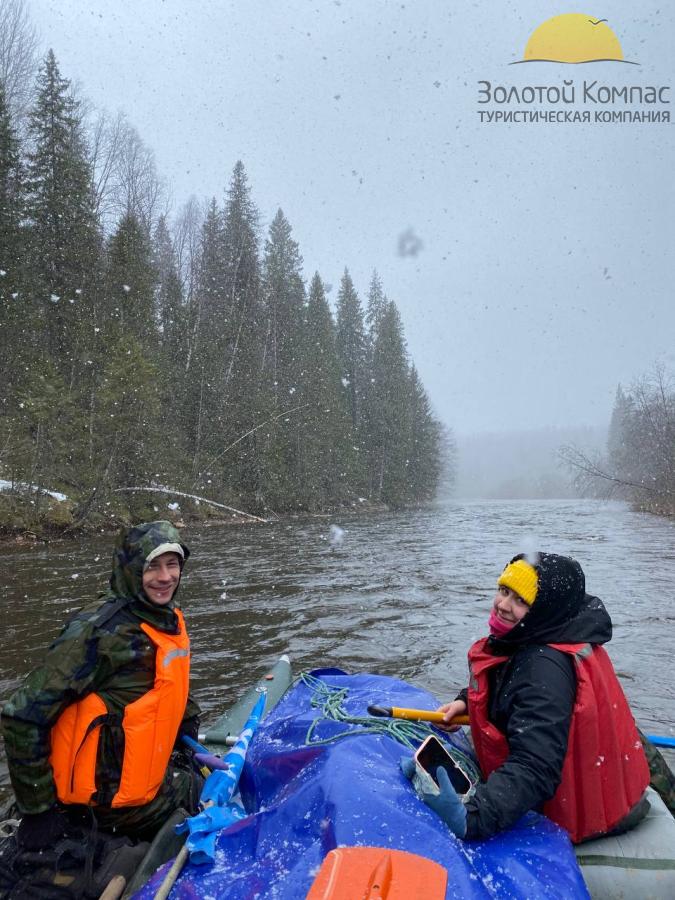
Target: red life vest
{"type": "Point", "coordinates": [150, 727]}
{"type": "Point", "coordinates": [605, 771]}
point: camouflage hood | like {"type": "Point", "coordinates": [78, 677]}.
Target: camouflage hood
{"type": "Point", "coordinates": [133, 547]}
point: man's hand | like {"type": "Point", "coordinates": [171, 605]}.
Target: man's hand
{"type": "Point", "coordinates": [450, 710]}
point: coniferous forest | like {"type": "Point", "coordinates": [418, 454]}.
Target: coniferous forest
{"type": "Point", "coordinates": [190, 351]}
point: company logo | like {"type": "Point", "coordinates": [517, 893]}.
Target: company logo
{"type": "Point", "coordinates": [594, 97]}
{"type": "Point", "coordinates": [573, 38]}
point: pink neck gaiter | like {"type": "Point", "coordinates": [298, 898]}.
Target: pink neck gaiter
{"type": "Point", "coordinates": [497, 627]}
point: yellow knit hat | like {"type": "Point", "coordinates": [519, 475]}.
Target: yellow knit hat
{"type": "Point", "coordinates": [522, 578]}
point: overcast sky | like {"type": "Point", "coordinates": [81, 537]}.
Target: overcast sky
{"type": "Point", "coordinates": [546, 272]}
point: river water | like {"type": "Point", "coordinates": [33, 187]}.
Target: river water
{"type": "Point", "coordinates": [401, 594]}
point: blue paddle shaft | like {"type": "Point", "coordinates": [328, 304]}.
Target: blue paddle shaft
{"type": "Point", "coordinates": [194, 745]}
{"type": "Point", "coordinates": [659, 740]}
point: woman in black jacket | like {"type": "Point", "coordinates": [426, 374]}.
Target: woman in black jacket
{"type": "Point", "coordinates": [549, 721]}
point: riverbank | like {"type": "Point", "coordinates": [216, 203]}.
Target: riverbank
{"type": "Point", "coordinates": [27, 518]}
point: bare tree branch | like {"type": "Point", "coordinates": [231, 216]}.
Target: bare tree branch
{"type": "Point", "coordinates": [18, 55]}
{"type": "Point", "coordinates": [163, 490]}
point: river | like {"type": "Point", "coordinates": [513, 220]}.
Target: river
{"type": "Point", "coordinates": [401, 593]}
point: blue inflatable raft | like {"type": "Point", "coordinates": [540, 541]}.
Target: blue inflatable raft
{"type": "Point", "coordinates": [314, 782]}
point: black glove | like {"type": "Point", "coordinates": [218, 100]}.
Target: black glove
{"type": "Point", "coordinates": [40, 830]}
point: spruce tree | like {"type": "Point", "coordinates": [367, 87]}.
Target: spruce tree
{"type": "Point", "coordinates": [327, 457]}
{"type": "Point", "coordinates": [242, 400]}
{"type": "Point", "coordinates": [283, 301]}
{"type": "Point", "coordinates": [619, 437]}
{"type": "Point", "coordinates": [377, 303]}
{"type": "Point", "coordinates": [425, 442]}
{"type": "Point", "coordinates": [351, 346]}
{"type": "Point", "coordinates": [169, 307]}
{"type": "Point", "coordinates": [16, 315]}
{"type": "Point", "coordinates": [207, 334]}
{"type": "Point", "coordinates": [391, 412]}
{"type": "Point", "coordinates": [134, 441]}
{"type": "Point", "coordinates": [374, 311]}
{"type": "Point", "coordinates": [65, 250]}
{"type": "Point", "coordinates": [124, 399]}
{"type": "Point", "coordinates": [131, 285]}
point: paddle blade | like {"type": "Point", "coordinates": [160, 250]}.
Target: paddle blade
{"type": "Point", "coordinates": [375, 873]}
{"type": "Point", "coordinates": [220, 786]}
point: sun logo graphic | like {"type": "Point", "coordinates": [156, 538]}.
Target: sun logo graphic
{"type": "Point", "coordinates": [573, 38]}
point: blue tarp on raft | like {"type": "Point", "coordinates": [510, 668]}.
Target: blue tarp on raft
{"type": "Point", "coordinates": [311, 799]}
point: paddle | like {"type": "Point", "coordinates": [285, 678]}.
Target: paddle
{"type": "Point", "coordinates": [417, 715]}
{"type": "Point", "coordinates": [427, 715]}
{"type": "Point", "coordinates": [208, 762]}
{"type": "Point", "coordinates": [218, 809]}
{"type": "Point", "coordinates": [376, 873]}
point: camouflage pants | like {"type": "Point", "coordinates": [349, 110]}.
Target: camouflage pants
{"type": "Point", "coordinates": [662, 779]}
{"type": "Point", "coordinates": [180, 789]}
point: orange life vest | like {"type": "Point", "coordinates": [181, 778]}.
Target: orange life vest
{"type": "Point", "coordinates": [150, 727]}
{"type": "Point", "coordinates": [605, 771]}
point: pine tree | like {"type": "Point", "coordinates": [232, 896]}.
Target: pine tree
{"type": "Point", "coordinates": [65, 249]}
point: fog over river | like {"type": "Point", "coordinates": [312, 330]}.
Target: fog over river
{"type": "Point", "coordinates": [402, 594]}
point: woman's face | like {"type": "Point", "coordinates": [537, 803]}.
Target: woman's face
{"type": "Point", "coordinates": [509, 607]}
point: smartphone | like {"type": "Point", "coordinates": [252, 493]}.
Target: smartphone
{"type": "Point", "coordinates": [431, 755]}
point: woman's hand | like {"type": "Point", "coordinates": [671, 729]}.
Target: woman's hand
{"type": "Point", "coordinates": [450, 710]}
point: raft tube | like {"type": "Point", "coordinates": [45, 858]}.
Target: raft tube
{"type": "Point", "coordinates": [228, 727]}
{"type": "Point", "coordinates": [638, 865]}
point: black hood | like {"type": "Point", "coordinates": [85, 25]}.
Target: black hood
{"type": "Point", "coordinates": [562, 613]}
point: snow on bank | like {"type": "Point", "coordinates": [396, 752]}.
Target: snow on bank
{"type": "Point", "coordinates": [13, 485]}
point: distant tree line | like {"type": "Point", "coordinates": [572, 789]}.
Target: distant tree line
{"type": "Point", "coordinates": [139, 352]}
{"type": "Point", "coordinates": [639, 464]}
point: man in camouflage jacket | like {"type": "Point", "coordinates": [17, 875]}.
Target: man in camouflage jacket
{"type": "Point", "coordinates": [101, 650]}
